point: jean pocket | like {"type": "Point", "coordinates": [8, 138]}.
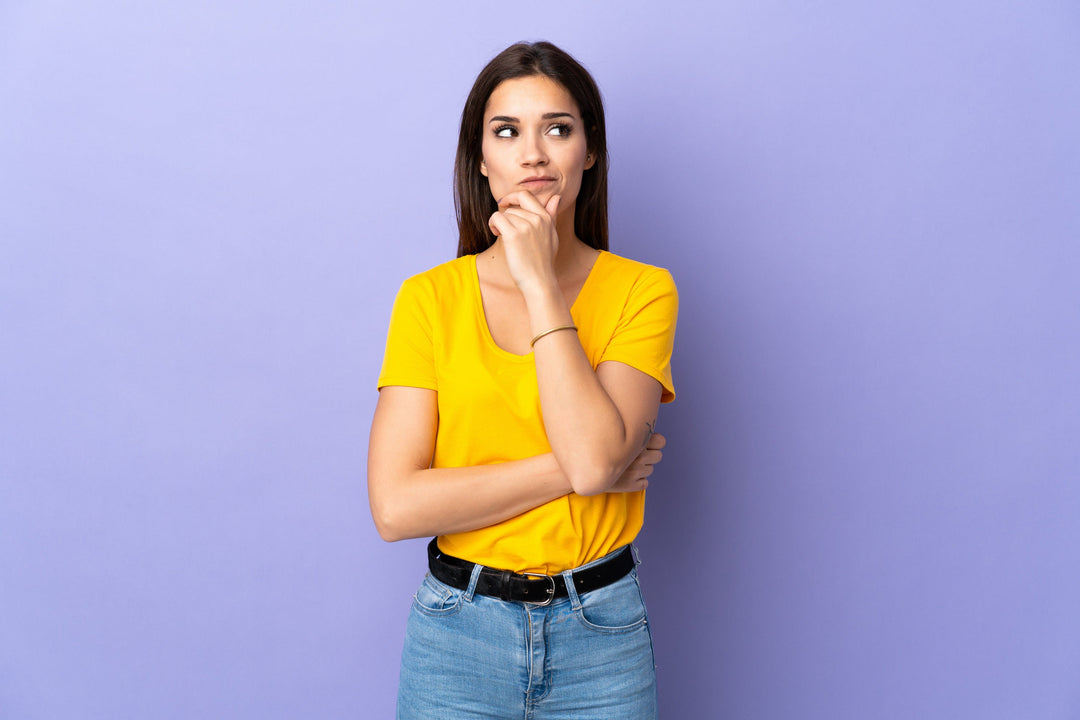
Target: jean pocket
{"type": "Point", "coordinates": [436, 598]}
{"type": "Point", "coordinates": [616, 608]}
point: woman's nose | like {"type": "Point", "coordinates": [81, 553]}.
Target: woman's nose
{"type": "Point", "coordinates": [532, 150]}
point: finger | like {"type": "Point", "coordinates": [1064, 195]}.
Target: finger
{"type": "Point", "coordinates": [500, 224]}
{"type": "Point", "coordinates": [649, 457]}
{"type": "Point", "coordinates": [629, 485]}
{"type": "Point", "coordinates": [531, 218]}
{"type": "Point", "coordinates": [656, 441]}
{"type": "Point", "coordinates": [552, 206]}
{"type": "Point", "coordinates": [522, 199]}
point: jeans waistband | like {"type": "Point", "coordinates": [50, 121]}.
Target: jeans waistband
{"type": "Point", "coordinates": [522, 587]}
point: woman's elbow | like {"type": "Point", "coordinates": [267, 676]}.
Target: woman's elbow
{"type": "Point", "coordinates": [592, 480]}
{"type": "Point", "coordinates": [389, 533]}
{"type": "Point", "coordinates": [593, 467]}
{"type": "Point", "coordinates": [388, 527]}
{"type": "Point", "coordinates": [390, 521]}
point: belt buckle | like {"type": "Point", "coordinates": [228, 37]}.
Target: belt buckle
{"type": "Point", "coordinates": [551, 590]}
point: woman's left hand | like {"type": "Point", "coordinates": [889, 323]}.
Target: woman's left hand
{"type": "Point", "coordinates": [529, 238]}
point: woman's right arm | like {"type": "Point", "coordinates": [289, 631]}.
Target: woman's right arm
{"type": "Point", "coordinates": [411, 499]}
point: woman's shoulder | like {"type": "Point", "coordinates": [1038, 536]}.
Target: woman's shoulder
{"type": "Point", "coordinates": [444, 277]}
{"type": "Point", "coordinates": [449, 270]}
{"type": "Point", "coordinates": [616, 269]}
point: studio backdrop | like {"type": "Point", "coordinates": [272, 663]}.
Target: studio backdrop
{"type": "Point", "coordinates": [870, 502]}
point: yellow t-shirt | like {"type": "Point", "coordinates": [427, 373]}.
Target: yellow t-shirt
{"type": "Point", "coordinates": [489, 402]}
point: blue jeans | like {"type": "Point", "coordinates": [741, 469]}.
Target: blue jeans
{"type": "Point", "coordinates": [582, 657]}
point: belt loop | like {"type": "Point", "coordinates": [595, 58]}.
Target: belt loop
{"type": "Point", "coordinates": [571, 589]}
{"type": "Point", "coordinates": [505, 589]}
{"type": "Point", "coordinates": [471, 589]}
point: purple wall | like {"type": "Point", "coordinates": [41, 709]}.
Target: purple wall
{"type": "Point", "coordinates": [871, 503]}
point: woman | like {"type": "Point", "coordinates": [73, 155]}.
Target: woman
{"type": "Point", "coordinates": [518, 393]}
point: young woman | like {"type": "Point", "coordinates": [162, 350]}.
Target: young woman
{"type": "Point", "coordinates": [518, 393]}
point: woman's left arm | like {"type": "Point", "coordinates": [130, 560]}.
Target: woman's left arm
{"type": "Point", "coordinates": [596, 421]}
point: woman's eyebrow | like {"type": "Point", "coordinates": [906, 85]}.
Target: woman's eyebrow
{"type": "Point", "coordinates": [545, 116]}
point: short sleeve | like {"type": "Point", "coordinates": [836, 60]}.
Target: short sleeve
{"type": "Point", "coordinates": [409, 357]}
{"type": "Point", "coordinates": [645, 334]}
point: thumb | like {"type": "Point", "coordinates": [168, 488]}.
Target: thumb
{"type": "Point", "coordinates": [552, 206]}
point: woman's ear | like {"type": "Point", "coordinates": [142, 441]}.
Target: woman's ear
{"type": "Point", "coordinates": [590, 160]}
{"type": "Point", "coordinates": [483, 168]}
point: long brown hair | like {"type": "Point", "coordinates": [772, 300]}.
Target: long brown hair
{"type": "Point", "coordinates": [473, 202]}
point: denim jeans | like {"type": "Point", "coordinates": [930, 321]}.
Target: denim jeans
{"type": "Point", "coordinates": [582, 657]}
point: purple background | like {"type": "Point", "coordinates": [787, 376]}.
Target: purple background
{"type": "Point", "coordinates": [870, 507]}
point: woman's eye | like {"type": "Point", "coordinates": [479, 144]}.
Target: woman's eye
{"type": "Point", "coordinates": [505, 131]}
{"type": "Point", "coordinates": [560, 130]}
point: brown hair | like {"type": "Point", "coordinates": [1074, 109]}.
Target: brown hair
{"type": "Point", "coordinates": [473, 202]}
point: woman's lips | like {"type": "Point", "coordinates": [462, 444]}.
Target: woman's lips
{"type": "Point", "coordinates": [535, 183]}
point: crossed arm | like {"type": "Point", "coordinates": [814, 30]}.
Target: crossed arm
{"type": "Point", "coordinates": [410, 499]}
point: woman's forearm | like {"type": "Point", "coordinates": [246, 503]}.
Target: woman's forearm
{"type": "Point", "coordinates": [438, 501]}
{"type": "Point", "coordinates": [591, 439]}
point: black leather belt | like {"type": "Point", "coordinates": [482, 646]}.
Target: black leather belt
{"type": "Point", "coordinates": [536, 589]}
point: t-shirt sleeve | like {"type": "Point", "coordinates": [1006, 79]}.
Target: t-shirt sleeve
{"type": "Point", "coordinates": [409, 358]}
{"type": "Point", "coordinates": [645, 334]}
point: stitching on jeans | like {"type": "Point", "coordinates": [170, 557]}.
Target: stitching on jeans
{"type": "Point", "coordinates": [579, 614]}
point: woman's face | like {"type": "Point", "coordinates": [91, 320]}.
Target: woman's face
{"type": "Point", "coordinates": [534, 140]}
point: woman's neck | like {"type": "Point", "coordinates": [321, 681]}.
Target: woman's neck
{"type": "Point", "coordinates": [573, 256]}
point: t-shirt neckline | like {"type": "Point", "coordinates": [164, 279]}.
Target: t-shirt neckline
{"type": "Point", "coordinates": [478, 304]}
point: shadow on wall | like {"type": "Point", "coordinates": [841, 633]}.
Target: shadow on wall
{"type": "Point", "coordinates": [686, 546]}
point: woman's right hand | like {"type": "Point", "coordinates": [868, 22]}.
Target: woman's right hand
{"type": "Point", "coordinates": [636, 476]}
